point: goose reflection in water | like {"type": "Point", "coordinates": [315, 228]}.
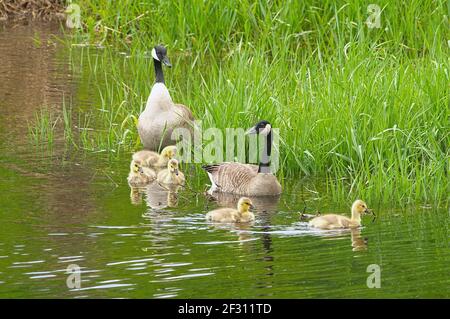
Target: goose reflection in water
{"type": "Point", "coordinates": [358, 242]}
{"type": "Point", "coordinates": [160, 196]}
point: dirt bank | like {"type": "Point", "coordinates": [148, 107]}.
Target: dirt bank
{"type": "Point", "coordinates": [31, 9]}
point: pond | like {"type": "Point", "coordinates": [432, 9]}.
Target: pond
{"type": "Point", "coordinates": [63, 207]}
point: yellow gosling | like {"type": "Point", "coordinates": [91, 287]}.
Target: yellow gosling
{"type": "Point", "coordinates": [333, 221]}
{"type": "Point", "coordinates": [171, 175]}
{"type": "Point", "coordinates": [140, 176]}
{"type": "Point", "coordinates": [230, 215]}
{"type": "Point", "coordinates": [153, 159]}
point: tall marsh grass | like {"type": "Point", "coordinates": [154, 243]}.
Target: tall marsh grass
{"type": "Point", "coordinates": [366, 109]}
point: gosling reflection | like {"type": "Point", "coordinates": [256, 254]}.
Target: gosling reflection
{"type": "Point", "coordinates": [136, 195]}
{"type": "Point", "coordinates": [160, 196]}
{"type": "Point", "coordinates": [358, 242]}
{"type": "Point", "coordinates": [240, 232]}
{"type": "Point", "coordinates": [261, 203]}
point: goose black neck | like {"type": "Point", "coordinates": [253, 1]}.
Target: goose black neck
{"type": "Point", "coordinates": [158, 71]}
{"type": "Point", "coordinates": [264, 160]}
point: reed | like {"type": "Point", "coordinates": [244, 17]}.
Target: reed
{"type": "Point", "coordinates": [366, 109]}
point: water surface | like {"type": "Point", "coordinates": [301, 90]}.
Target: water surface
{"type": "Point", "coordinates": [62, 207]}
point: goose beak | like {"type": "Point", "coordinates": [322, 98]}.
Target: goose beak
{"type": "Point", "coordinates": [251, 206]}
{"type": "Point", "coordinates": [140, 170]}
{"type": "Point", "coordinates": [251, 131]}
{"type": "Point", "coordinates": [166, 61]}
{"type": "Point", "coordinates": [176, 172]}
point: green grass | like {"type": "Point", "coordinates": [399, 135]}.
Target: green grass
{"type": "Point", "coordinates": [365, 109]}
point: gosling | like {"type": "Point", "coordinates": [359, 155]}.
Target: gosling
{"type": "Point", "coordinates": [229, 215]}
{"type": "Point", "coordinates": [140, 176]}
{"type": "Point", "coordinates": [152, 159]}
{"type": "Point", "coordinates": [333, 221]}
{"type": "Point", "coordinates": [171, 175]}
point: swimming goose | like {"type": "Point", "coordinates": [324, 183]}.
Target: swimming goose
{"type": "Point", "coordinates": [247, 179]}
{"type": "Point", "coordinates": [171, 175]}
{"type": "Point", "coordinates": [161, 116]}
{"type": "Point", "coordinates": [152, 159]}
{"type": "Point", "coordinates": [140, 176]}
{"type": "Point", "coordinates": [333, 221]}
{"type": "Point", "coordinates": [230, 215]}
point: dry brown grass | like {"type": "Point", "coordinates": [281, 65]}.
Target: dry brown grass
{"type": "Point", "coordinates": [34, 9]}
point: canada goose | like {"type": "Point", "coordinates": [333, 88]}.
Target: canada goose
{"type": "Point", "coordinates": [231, 215]}
{"type": "Point", "coordinates": [247, 179]}
{"type": "Point", "coordinates": [140, 176]}
{"type": "Point", "coordinates": [171, 175]}
{"type": "Point", "coordinates": [161, 116]}
{"type": "Point", "coordinates": [152, 159]}
{"type": "Point", "coordinates": [333, 221]}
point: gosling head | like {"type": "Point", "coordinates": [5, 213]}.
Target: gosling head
{"type": "Point", "coordinates": [172, 166]}
{"type": "Point", "coordinates": [262, 127]}
{"type": "Point", "coordinates": [169, 152]}
{"type": "Point", "coordinates": [360, 207]}
{"type": "Point", "coordinates": [159, 53]}
{"type": "Point", "coordinates": [136, 167]}
{"type": "Point", "coordinates": [245, 204]}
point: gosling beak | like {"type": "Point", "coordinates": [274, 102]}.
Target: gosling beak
{"type": "Point", "coordinates": [369, 211]}
{"type": "Point", "coordinates": [175, 171]}
{"type": "Point", "coordinates": [140, 170]}
{"type": "Point", "coordinates": [251, 206]}
{"type": "Point", "coordinates": [165, 61]}
{"type": "Point", "coordinates": [251, 131]}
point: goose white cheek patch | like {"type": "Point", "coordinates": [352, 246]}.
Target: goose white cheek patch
{"type": "Point", "coordinates": [154, 54]}
{"type": "Point", "coordinates": [266, 130]}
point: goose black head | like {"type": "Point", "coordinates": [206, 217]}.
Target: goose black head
{"type": "Point", "coordinates": [262, 127]}
{"type": "Point", "coordinates": [159, 53]}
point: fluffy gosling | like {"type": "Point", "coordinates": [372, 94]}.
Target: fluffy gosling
{"type": "Point", "coordinates": [333, 221]}
{"type": "Point", "coordinates": [152, 159]}
{"type": "Point", "coordinates": [140, 176]}
{"type": "Point", "coordinates": [230, 215]}
{"type": "Point", "coordinates": [171, 175]}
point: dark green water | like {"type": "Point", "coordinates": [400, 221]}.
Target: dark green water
{"type": "Point", "coordinates": [60, 208]}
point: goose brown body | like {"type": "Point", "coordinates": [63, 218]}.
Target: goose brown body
{"type": "Point", "coordinates": [247, 179]}
{"type": "Point", "coordinates": [242, 179]}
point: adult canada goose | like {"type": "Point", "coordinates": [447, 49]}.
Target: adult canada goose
{"type": "Point", "coordinates": [333, 221]}
{"type": "Point", "coordinates": [152, 159]}
{"type": "Point", "coordinates": [247, 179]}
{"type": "Point", "coordinates": [171, 175]}
{"type": "Point", "coordinates": [140, 176]}
{"type": "Point", "coordinates": [161, 116]}
{"type": "Point", "coordinates": [230, 215]}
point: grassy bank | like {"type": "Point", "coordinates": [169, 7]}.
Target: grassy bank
{"type": "Point", "coordinates": [365, 108]}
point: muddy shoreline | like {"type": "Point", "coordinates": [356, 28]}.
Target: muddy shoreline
{"type": "Point", "coordinates": [31, 9]}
